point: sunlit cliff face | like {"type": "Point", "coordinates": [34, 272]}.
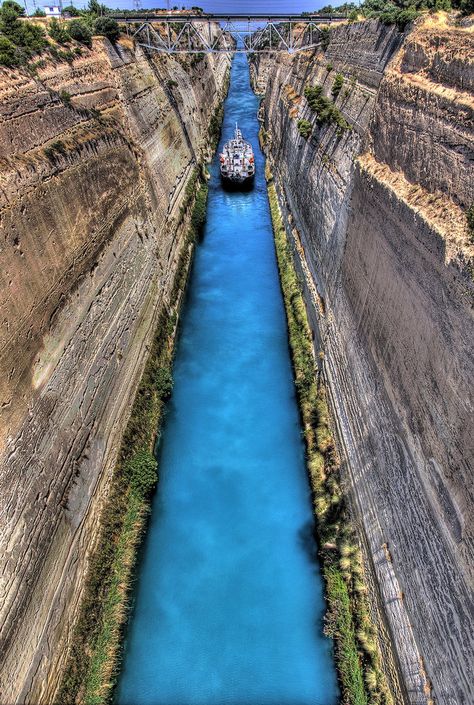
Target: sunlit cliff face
{"type": "Point", "coordinates": [92, 189]}
{"type": "Point", "coordinates": [380, 211]}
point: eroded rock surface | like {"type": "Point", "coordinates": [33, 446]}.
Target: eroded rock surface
{"type": "Point", "coordinates": [95, 157]}
{"type": "Point", "coordinates": [378, 215]}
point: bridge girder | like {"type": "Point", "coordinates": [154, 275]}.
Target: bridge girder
{"type": "Point", "coordinates": [184, 34]}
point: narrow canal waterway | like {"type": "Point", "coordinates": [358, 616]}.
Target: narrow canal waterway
{"type": "Point", "coordinates": [229, 599]}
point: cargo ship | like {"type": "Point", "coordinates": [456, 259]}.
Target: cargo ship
{"type": "Point", "coordinates": [237, 161]}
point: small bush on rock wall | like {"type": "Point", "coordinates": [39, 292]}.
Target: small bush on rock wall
{"type": "Point", "coordinates": [304, 128]}
{"type": "Point", "coordinates": [337, 85]}
{"type": "Point", "coordinates": [142, 474]}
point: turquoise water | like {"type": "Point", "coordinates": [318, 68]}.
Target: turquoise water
{"type": "Point", "coordinates": [229, 599]}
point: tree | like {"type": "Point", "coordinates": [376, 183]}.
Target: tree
{"type": "Point", "coordinates": [71, 11]}
{"type": "Point", "coordinates": [39, 13]}
{"type": "Point", "coordinates": [107, 27]}
{"type": "Point", "coordinates": [14, 7]}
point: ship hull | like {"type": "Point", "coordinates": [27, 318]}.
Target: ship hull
{"type": "Point", "coordinates": [237, 184]}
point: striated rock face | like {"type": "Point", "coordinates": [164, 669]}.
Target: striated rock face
{"type": "Point", "coordinates": [94, 161]}
{"type": "Point", "coordinates": [378, 214]}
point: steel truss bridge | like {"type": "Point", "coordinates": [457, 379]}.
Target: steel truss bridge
{"type": "Point", "coordinates": [219, 33]}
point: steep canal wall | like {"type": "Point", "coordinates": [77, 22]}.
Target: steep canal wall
{"type": "Point", "coordinates": [374, 199]}
{"type": "Point", "coordinates": [97, 175]}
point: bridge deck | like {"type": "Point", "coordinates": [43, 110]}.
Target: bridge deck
{"type": "Point", "coordinates": [232, 17]}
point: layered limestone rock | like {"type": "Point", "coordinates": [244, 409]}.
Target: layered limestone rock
{"type": "Point", "coordinates": [378, 217]}
{"type": "Point", "coordinates": [95, 157]}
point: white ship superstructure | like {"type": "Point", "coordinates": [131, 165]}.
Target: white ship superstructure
{"type": "Point", "coordinates": [237, 160]}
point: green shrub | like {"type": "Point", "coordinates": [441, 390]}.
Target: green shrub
{"type": "Point", "coordinates": [14, 7]}
{"type": "Point", "coordinates": [39, 13]}
{"type": "Point", "coordinates": [58, 32]}
{"type": "Point", "coordinates": [20, 40]}
{"type": "Point", "coordinates": [142, 474]}
{"type": "Point", "coordinates": [107, 27]}
{"type": "Point", "coordinates": [400, 17]}
{"type": "Point", "coordinates": [80, 32]}
{"type": "Point", "coordinates": [304, 128]}
{"type": "Point", "coordinates": [337, 85]}
{"type": "Point", "coordinates": [164, 383]}
{"type": "Point", "coordinates": [329, 67]}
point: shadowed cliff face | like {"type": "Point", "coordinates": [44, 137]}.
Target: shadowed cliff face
{"type": "Point", "coordinates": [378, 219]}
{"type": "Point", "coordinates": [95, 159]}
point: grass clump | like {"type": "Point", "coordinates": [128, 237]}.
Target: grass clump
{"type": "Point", "coordinates": [340, 626]}
{"type": "Point", "coordinates": [348, 619]}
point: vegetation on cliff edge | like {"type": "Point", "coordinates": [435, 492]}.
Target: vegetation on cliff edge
{"type": "Point", "coordinates": [398, 12]}
{"type": "Point", "coordinates": [348, 619]}
{"type": "Point", "coordinates": [21, 40]}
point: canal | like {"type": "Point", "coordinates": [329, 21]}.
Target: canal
{"type": "Point", "coordinates": [229, 604]}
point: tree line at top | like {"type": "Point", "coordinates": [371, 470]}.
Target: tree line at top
{"type": "Point", "coordinates": [399, 12]}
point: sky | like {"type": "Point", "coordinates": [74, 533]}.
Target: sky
{"type": "Point", "coordinates": [219, 5]}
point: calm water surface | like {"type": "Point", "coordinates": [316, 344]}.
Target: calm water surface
{"type": "Point", "coordinates": [229, 599]}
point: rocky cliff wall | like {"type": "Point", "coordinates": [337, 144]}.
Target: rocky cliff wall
{"type": "Point", "coordinates": [378, 215]}
{"type": "Point", "coordinates": [95, 157]}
